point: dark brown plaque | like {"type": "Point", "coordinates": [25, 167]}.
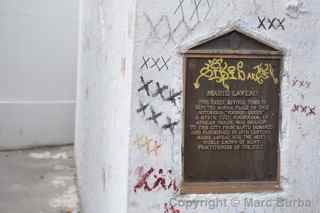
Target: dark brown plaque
{"type": "Point", "coordinates": [231, 117]}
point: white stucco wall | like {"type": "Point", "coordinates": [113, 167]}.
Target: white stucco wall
{"type": "Point", "coordinates": [158, 35]}
{"type": "Point", "coordinates": [103, 111]}
{"type": "Point", "coordinates": [38, 54]}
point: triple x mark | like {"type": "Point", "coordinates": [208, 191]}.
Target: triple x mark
{"type": "Point", "coordinates": [274, 23]}
{"type": "Point", "coordinates": [309, 110]}
{"type": "Point", "coordinates": [299, 83]}
{"type": "Point", "coordinates": [151, 62]}
{"type": "Point", "coordinates": [159, 91]}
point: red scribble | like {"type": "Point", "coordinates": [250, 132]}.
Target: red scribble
{"type": "Point", "coordinates": [143, 181]}
{"type": "Point", "coordinates": [159, 181]}
{"type": "Point", "coordinates": [170, 209]}
{"type": "Point", "coordinates": [172, 183]}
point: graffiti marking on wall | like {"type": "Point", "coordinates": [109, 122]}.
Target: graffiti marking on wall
{"type": "Point", "coordinates": [166, 94]}
{"type": "Point", "coordinates": [159, 63]}
{"type": "Point", "coordinates": [154, 34]}
{"type": "Point", "coordinates": [268, 24]}
{"type": "Point", "coordinates": [218, 70]}
{"type": "Point", "coordinates": [299, 84]}
{"type": "Point", "coordinates": [145, 62]}
{"type": "Point", "coordinates": [150, 145]}
{"type": "Point", "coordinates": [170, 125]}
{"type": "Point", "coordinates": [196, 9]}
{"type": "Point", "coordinates": [305, 109]}
{"type": "Point", "coordinates": [173, 96]}
{"type": "Point", "coordinates": [142, 183]}
{"type": "Point", "coordinates": [145, 86]}
{"type": "Point", "coordinates": [154, 181]}
{"type": "Point", "coordinates": [186, 22]}
{"type": "Point", "coordinates": [154, 116]}
{"type": "Point", "coordinates": [169, 208]}
{"type": "Point", "coordinates": [142, 108]}
{"type": "Point", "coordinates": [160, 90]}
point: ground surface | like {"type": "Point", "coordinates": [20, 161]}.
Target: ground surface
{"type": "Point", "coordinates": [38, 181]}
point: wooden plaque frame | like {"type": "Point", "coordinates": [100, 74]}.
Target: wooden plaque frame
{"type": "Point", "coordinates": [206, 51]}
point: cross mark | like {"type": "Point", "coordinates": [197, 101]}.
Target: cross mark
{"type": "Point", "coordinates": [154, 116]}
{"type": "Point", "coordinates": [173, 96]}
{"type": "Point", "coordinates": [142, 108]}
{"type": "Point", "coordinates": [145, 85]}
{"type": "Point", "coordinates": [160, 90]}
{"type": "Point", "coordinates": [170, 125]}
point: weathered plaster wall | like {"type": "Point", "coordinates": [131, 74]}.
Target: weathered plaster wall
{"type": "Point", "coordinates": [110, 103]}
{"type": "Point", "coordinates": [104, 82]}
{"type": "Point", "coordinates": [165, 27]}
{"type": "Point", "coordinates": [38, 58]}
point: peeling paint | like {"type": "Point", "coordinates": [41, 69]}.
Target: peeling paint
{"type": "Point", "coordinates": [123, 66]}
{"type": "Point", "coordinates": [61, 181]}
{"type": "Point", "coordinates": [48, 155]}
{"type": "Point", "coordinates": [68, 199]}
{"type": "Point", "coordinates": [60, 167]}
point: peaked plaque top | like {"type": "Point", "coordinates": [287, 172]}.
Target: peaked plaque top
{"type": "Point", "coordinates": [234, 42]}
